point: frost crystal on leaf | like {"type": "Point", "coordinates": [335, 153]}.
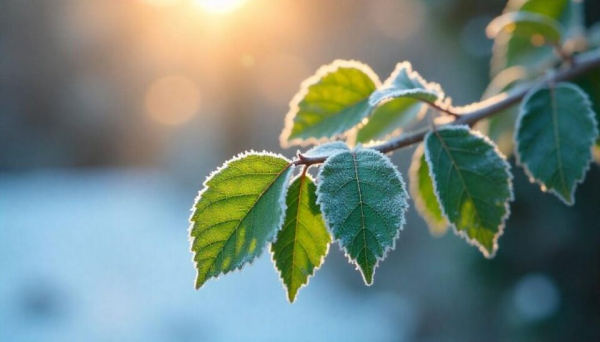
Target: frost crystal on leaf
{"type": "Point", "coordinates": [329, 103]}
{"type": "Point", "coordinates": [303, 242]}
{"type": "Point", "coordinates": [404, 82]}
{"type": "Point", "coordinates": [400, 101]}
{"type": "Point", "coordinates": [326, 150]}
{"type": "Point", "coordinates": [472, 183]}
{"type": "Point", "coordinates": [238, 212]}
{"type": "Point", "coordinates": [556, 131]}
{"type": "Point", "coordinates": [363, 200]}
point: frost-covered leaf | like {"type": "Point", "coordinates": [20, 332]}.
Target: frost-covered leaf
{"type": "Point", "coordinates": [421, 191]}
{"type": "Point", "coordinates": [404, 82]}
{"type": "Point", "coordinates": [472, 183]}
{"type": "Point", "coordinates": [326, 149]}
{"type": "Point", "coordinates": [526, 24]}
{"type": "Point", "coordinates": [590, 84]}
{"type": "Point", "coordinates": [510, 50]}
{"type": "Point", "coordinates": [303, 241]}
{"type": "Point", "coordinates": [238, 212]}
{"type": "Point", "coordinates": [556, 131]}
{"type": "Point", "coordinates": [390, 118]}
{"type": "Point", "coordinates": [329, 103]}
{"type": "Point", "coordinates": [363, 199]}
{"type": "Point", "coordinates": [400, 102]}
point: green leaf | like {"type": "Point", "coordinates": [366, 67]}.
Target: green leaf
{"type": "Point", "coordinates": [472, 183]}
{"type": "Point", "coordinates": [404, 82]}
{"type": "Point", "coordinates": [401, 101]}
{"type": "Point", "coordinates": [238, 212]}
{"type": "Point", "coordinates": [556, 131]}
{"type": "Point", "coordinates": [514, 50]}
{"type": "Point", "coordinates": [329, 103]}
{"type": "Point", "coordinates": [303, 241]}
{"type": "Point", "coordinates": [590, 84]}
{"type": "Point", "coordinates": [363, 199]}
{"type": "Point", "coordinates": [421, 190]}
{"type": "Point", "coordinates": [526, 24]}
{"type": "Point", "coordinates": [553, 8]}
{"type": "Point", "coordinates": [326, 150]}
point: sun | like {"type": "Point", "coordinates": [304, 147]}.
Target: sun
{"type": "Point", "coordinates": [220, 6]}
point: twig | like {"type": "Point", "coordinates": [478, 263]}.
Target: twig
{"type": "Point", "coordinates": [446, 110]}
{"type": "Point", "coordinates": [469, 115]}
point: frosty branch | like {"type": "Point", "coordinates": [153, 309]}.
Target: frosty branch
{"type": "Point", "coordinates": [460, 177]}
{"type": "Point", "coordinates": [470, 114]}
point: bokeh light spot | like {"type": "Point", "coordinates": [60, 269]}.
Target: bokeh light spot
{"type": "Point", "coordinates": [172, 100]}
{"type": "Point", "coordinates": [538, 40]}
{"type": "Point", "coordinates": [536, 297]}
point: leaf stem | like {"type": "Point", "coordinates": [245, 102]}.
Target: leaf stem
{"type": "Point", "coordinates": [470, 114]}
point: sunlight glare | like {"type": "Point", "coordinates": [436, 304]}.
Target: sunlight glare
{"type": "Point", "coordinates": [161, 3]}
{"type": "Point", "coordinates": [220, 6]}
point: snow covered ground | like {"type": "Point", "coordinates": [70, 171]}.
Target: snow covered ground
{"type": "Point", "coordinates": [102, 255]}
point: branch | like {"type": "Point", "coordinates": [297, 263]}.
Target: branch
{"type": "Point", "coordinates": [469, 115]}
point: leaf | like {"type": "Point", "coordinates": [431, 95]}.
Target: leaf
{"type": "Point", "coordinates": [404, 82]}
{"type": "Point", "coordinates": [400, 102]}
{"type": "Point", "coordinates": [511, 50]}
{"type": "Point", "coordinates": [390, 118]}
{"type": "Point", "coordinates": [527, 24]}
{"type": "Point", "coordinates": [590, 84]}
{"type": "Point", "coordinates": [329, 103]}
{"type": "Point", "coordinates": [363, 200]}
{"type": "Point", "coordinates": [326, 150]}
{"type": "Point", "coordinates": [553, 9]}
{"type": "Point", "coordinates": [556, 130]}
{"type": "Point", "coordinates": [238, 212]}
{"type": "Point", "coordinates": [472, 182]}
{"type": "Point", "coordinates": [303, 241]}
{"type": "Point", "coordinates": [421, 190]}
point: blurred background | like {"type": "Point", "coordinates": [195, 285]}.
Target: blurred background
{"type": "Point", "coordinates": [113, 112]}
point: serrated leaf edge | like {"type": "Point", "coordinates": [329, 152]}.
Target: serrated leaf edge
{"type": "Point", "coordinates": [402, 222]}
{"type": "Point", "coordinates": [506, 215]}
{"type": "Point", "coordinates": [205, 187]}
{"type": "Point", "coordinates": [321, 261]}
{"type": "Point", "coordinates": [431, 88]}
{"type": "Point", "coordinates": [591, 114]}
{"type": "Point", "coordinates": [295, 103]}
